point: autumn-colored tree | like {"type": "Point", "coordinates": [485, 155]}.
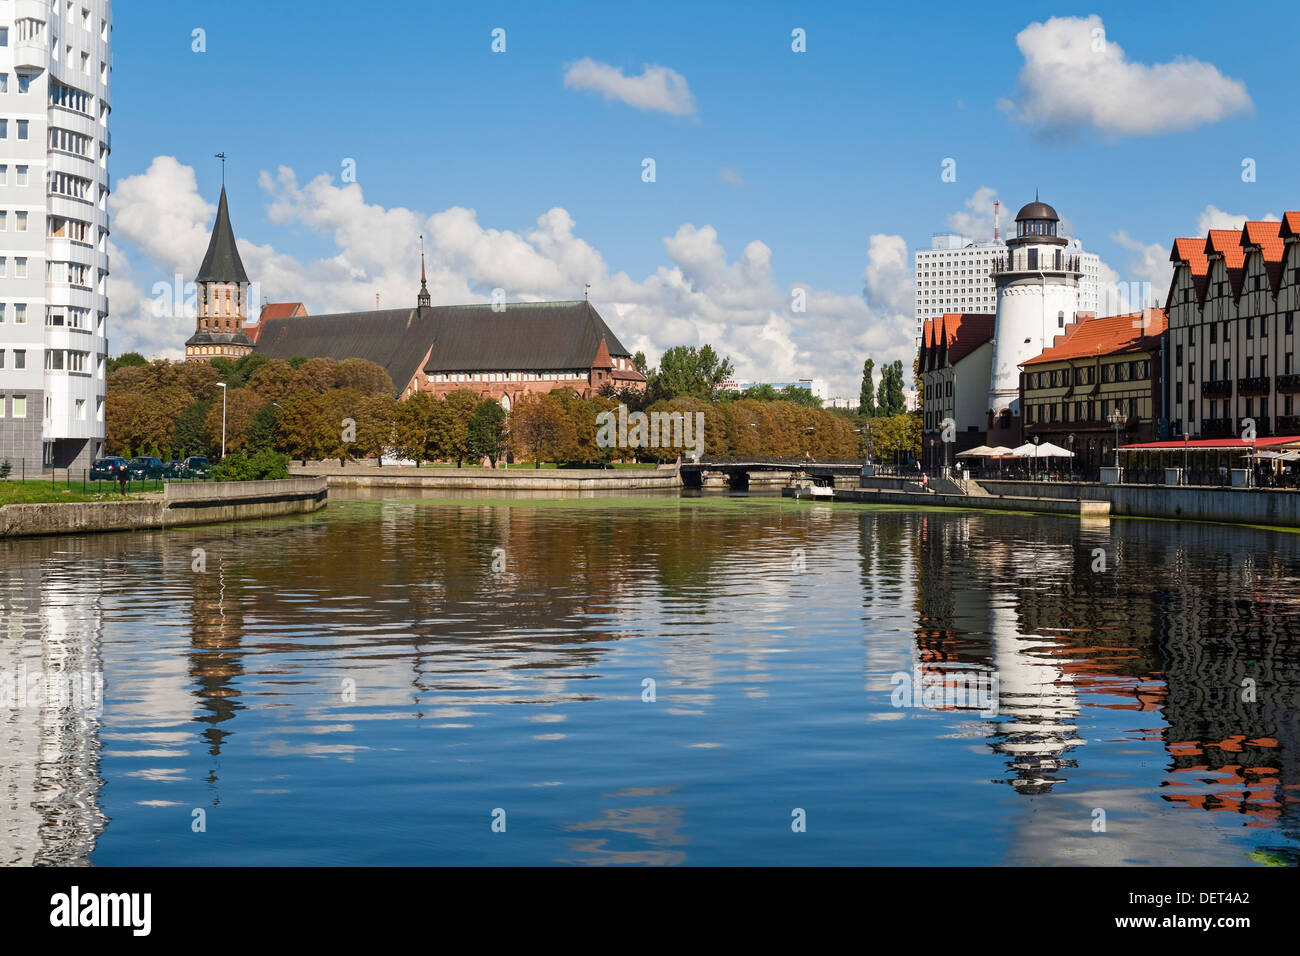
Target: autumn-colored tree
{"type": "Point", "coordinates": [242, 406]}
{"type": "Point", "coordinates": [336, 422]}
{"type": "Point", "coordinates": [295, 428]}
{"type": "Point", "coordinates": [540, 429]}
{"type": "Point", "coordinates": [364, 376]}
{"type": "Point", "coordinates": [275, 381]}
{"type": "Point", "coordinates": [461, 406]}
{"type": "Point", "coordinates": [317, 375]}
{"type": "Point", "coordinates": [376, 417]}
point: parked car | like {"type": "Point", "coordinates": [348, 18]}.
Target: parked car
{"type": "Point", "coordinates": [108, 469]}
{"type": "Point", "coordinates": [174, 469]}
{"type": "Point", "coordinates": [196, 466]}
{"type": "Point", "coordinates": [144, 467]}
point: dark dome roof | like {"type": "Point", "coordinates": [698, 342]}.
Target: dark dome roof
{"type": "Point", "coordinates": [1037, 210]}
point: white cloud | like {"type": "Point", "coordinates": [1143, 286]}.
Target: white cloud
{"type": "Point", "coordinates": [1074, 78]}
{"type": "Point", "coordinates": [658, 88]}
{"type": "Point", "coordinates": [1214, 218]}
{"type": "Point", "coordinates": [1146, 277]}
{"type": "Point", "coordinates": [976, 220]}
{"type": "Point", "coordinates": [699, 295]}
{"type": "Point", "coordinates": [729, 175]}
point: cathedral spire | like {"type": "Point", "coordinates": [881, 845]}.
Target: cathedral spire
{"type": "Point", "coordinates": [423, 301]}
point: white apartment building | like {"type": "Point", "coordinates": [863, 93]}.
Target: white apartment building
{"type": "Point", "coordinates": [954, 275]}
{"type": "Point", "coordinates": [55, 63]}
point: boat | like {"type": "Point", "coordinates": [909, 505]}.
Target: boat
{"type": "Point", "coordinates": [802, 485]}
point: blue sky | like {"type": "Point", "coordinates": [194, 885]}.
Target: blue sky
{"type": "Point", "coordinates": [827, 148]}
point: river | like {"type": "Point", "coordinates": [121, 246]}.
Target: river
{"type": "Point", "coordinates": [653, 680]}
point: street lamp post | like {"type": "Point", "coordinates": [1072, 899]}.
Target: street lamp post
{"type": "Point", "coordinates": [1070, 441]}
{"type": "Point", "coordinates": [1116, 418]}
{"type": "Point", "coordinates": [1183, 480]}
{"type": "Point", "coordinates": [222, 386]}
{"type": "Point", "coordinates": [1037, 439]}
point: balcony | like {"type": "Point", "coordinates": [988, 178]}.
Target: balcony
{"type": "Point", "coordinates": [1217, 428]}
{"type": "Point", "coordinates": [1019, 262]}
{"type": "Point", "coordinates": [1256, 385]}
{"type": "Point", "coordinates": [1288, 384]}
{"type": "Point", "coordinates": [1217, 389]}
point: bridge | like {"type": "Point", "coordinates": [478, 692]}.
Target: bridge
{"type": "Point", "coordinates": [740, 473]}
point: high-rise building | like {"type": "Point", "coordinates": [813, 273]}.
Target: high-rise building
{"type": "Point", "coordinates": [55, 63]}
{"type": "Point", "coordinates": [956, 275]}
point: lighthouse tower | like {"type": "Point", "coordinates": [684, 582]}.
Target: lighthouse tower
{"type": "Point", "coordinates": [1037, 296]}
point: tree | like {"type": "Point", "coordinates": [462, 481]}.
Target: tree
{"type": "Point", "coordinates": [685, 370]}
{"type": "Point", "coordinates": [889, 394]}
{"type": "Point", "coordinates": [241, 407]}
{"type": "Point", "coordinates": [640, 364]}
{"type": "Point", "coordinates": [187, 436]}
{"type": "Point", "coordinates": [539, 429]}
{"type": "Point", "coordinates": [485, 430]}
{"type": "Point", "coordinates": [126, 360]}
{"type": "Point", "coordinates": [276, 380]}
{"type": "Point", "coordinates": [376, 417]}
{"type": "Point", "coordinates": [261, 433]}
{"type": "Point", "coordinates": [461, 406]}
{"type": "Point", "coordinates": [867, 400]}
{"type": "Point", "coordinates": [295, 431]}
{"type": "Point", "coordinates": [363, 375]}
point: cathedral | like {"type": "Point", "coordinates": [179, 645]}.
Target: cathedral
{"type": "Point", "coordinates": [501, 351]}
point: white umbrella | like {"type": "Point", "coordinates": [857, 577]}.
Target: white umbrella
{"type": "Point", "coordinates": [1027, 450]}
{"type": "Point", "coordinates": [1048, 450]}
{"type": "Point", "coordinates": [979, 451]}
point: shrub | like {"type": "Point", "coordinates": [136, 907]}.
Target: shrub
{"type": "Point", "coordinates": [263, 466]}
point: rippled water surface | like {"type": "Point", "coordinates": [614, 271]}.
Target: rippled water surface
{"type": "Point", "coordinates": [654, 681]}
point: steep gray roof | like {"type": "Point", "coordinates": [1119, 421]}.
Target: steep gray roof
{"type": "Point", "coordinates": [222, 264]}
{"type": "Point", "coordinates": [218, 338]}
{"type": "Point", "coordinates": [395, 339]}
{"type": "Point", "coordinates": [526, 336]}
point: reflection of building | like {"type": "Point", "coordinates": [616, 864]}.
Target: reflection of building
{"type": "Point", "coordinates": [1092, 369]}
{"type": "Point", "coordinates": [50, 742]}
{"type": "Point", "coordinates": [1232, 306]}
{"type": "Point", "coordinates": [54, 147]}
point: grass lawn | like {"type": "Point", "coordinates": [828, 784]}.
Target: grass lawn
{"type": "Point", "coordinates": [35, 491]}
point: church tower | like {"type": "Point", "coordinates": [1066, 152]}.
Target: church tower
{"type": "Point", "coordinates": [1037, 297]}
{"type": "Point", "coordinates": [222, 297]}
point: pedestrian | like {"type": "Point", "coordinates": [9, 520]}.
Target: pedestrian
{"type": "Point", "coordinates": [925, 482]}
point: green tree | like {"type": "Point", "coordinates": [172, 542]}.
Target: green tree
{"type": "Point", "coordinates": [125, 360]}
{"type": "Point", "coordinates": [889, 394]}
{"type": "Point", "coordinates": [686, 370]}
{"type": "Point", "coordinates": [485, 430]}
{"type": "Point", "coordinates": [187, 437]}
{"type": "Point", "coordinates": [461, 406]}
{"type": "Point", "coordinates": [867, 400]}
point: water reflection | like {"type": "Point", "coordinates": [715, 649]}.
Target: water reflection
{"type": "Point", "coordinates": [656, 681]}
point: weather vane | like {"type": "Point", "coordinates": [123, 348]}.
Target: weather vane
{"type": "Point", "coordinates": [222, 157]}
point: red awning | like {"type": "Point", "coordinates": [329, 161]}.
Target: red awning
{"type": "Point", "coordinates": [1220, 444]}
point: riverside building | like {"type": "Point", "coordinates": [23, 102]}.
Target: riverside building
{"type": "Point", "coordinates": [55, 65]}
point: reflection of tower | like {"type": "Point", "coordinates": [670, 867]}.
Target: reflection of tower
{"type": "Point", "coordinates": [215, 664]}
{"type": "Point", "coordinates": [49, 741]}
{"type": "Point", "coordinates": [1038, 294]}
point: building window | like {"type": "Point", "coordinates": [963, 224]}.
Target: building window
{"type": "Point", "coordinates": [20, 313]}
{"type": "Point", "coordinates": [20, 406]}
{"type": "Point", "coordinates": [20, 221]}
{"type": "Point", "coordinates": [1290, 322]}
{"type": "Point", "coordinates": [1214, 332]}
{"type": "Point", "coordinates": [1178, 393]}
{"type": "Point", "coordinates": [20, 358]}
{"type": "Point", "coordinates": [23, 126]}
{"type": "Point", "coordinates": [1250, 327]}
{"type": "Point", "coordinates": [81, 409]}
{"type": "Point", "coordinates": [22, 175]}
{"type": "Point", "coordinates": [1178, 355]}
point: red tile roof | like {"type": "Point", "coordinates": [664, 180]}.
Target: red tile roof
{"type": "Point", "coordinates": [963, 333]}
{"type": "Point", "coordinates": [1134, 332]}
{"type": "Point", "coordinates": [1290, 224]}
{"type": "Point", "coordinates": [1191, 251]}
{"type": "Point", "coordinates": [283, 310]}
{"type": "Point", "coordinates": [1227, 242]}
{"type": "Point", "coordinates": [1256, 232]}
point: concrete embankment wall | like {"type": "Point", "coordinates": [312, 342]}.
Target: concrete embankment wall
{"type": "Point", "coordinates": [1275, 508]}
{"type": "Point", "coordinates": [483, 479]}
{"type": "Point", "coordinates": [180, 504]}
{"type": "Point", "coordinates": [920, 500]}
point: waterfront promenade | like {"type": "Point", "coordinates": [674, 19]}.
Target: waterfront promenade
{"type": "Point", "coordinates": [366, 474]}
